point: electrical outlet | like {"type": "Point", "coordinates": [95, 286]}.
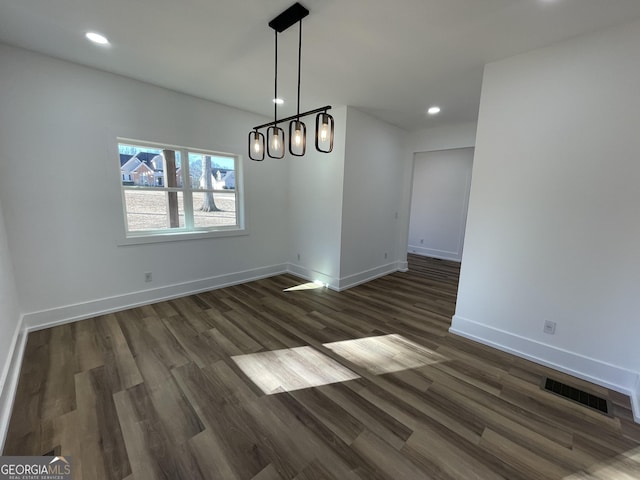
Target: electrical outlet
{"type": "Point", "coordinates": [422, 240]}
{"type": "Point", "coordinates": [298, 257]}
{"type": "Point", "coordinates": [385, 255]}
{"type": "Point", "coordinates": [550, 327]}
{"type": "Point", "coordinates": [147, 277]}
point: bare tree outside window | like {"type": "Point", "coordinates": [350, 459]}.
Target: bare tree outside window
{"type": "Point", "coordinates": [208, 205]}
{"type": "Point", "coordinates": [170, 173]}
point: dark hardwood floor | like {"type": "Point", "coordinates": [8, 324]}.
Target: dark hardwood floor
{"type": "Point", "coordinates": [237, 384]}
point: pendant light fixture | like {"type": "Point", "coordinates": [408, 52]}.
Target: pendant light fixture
{"type": "Point", "coordinates": [275, 139]}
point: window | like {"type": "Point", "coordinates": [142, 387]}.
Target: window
{"type": "Point", "coordinates": [177, 190]}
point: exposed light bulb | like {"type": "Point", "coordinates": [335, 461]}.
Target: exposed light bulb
{"type": "Point", "coordinates": [276, 144]}
{"type": "Point", "coordinates": [297, 138]}
{"type": "Point", "coordinates": [324, 128]}
{"type": "Point", "coordinates": [324, 131]}
{"type": "Point", "coordinates": [256, 143]}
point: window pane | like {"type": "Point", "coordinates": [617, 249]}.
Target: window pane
{"type": "Point", "coordinates": [147, 167]}
{"type": "Point", "coordinates": [153, 210]}
{"type": "Point", "coordinates": [223, 213]}
{"type": "Point", "coordinates": [221, 172]}
{"type": "Point", "coordinates": [157, 179]}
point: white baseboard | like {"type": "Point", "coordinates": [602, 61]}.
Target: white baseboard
{"type": "Point", "coordinates": [313, 275]}
{"type": "Point", "coordinates": [433, 253]}
{"type": "Point", "coordinates": [79, 311]}
{"type": "Point", "coordinates": [9, 379]}
{"type": "Point", "coordinates": [592, 370]}
{"type": "Point", "coordinates": [351, 281]}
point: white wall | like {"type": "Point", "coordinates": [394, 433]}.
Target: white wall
{"type": "Point", "coordinates": [439, 201]}
{"type": "Point", "coordinates": [553, 231]}
{"type": "Point", "coordinates": [9, 328]}
{"type": "Point", "coordinates": [433, 139]}
{"type": "Point", "coordinates": [59, 186]}
{"type": "Point", "coordinates": [342, 206]}
{"type": "Point", "coordinates": [444, 137]}
{"type": "Point", "coordinates": [315, 206]}
{"type": "Point", "coordinates": [373, 175]}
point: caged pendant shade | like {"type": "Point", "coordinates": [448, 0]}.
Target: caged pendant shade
{"type": "Point", "coordinates": [324, 132]}
{"type": "Point", "coordinates": [275, 136]}
{"type": "Point", "coordinates": [297, 138]}
{"type": "Point", "coordinates": [256, 146]}
{"type": "Point", "coordinates": [275, 142]}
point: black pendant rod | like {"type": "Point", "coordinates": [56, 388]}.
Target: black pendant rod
{"type": "Point", "coordinates": [299, 61]}
{"type": "Point", "coordinates": [293, 117]}
{"type": "Point", "coordinates": [275, 98]}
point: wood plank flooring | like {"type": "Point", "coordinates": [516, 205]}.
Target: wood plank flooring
{"type": "Point", "coordinates": [368, 385]}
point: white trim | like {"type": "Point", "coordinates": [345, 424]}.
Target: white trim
{"type": "Point", "coordinates": [434, 253]}
{"type": "Point", "coordinates": [80, 311]}
{"type": "Point", "coordinates": [166, 235]}
{"type": "Point", "coordinates": [344, 283]}
{"type": "Point", "coordinates": [313, 275]}
{"type": "Point", "coordinates": [4, 373]}
{"type": "Point", "coordinates": [172, 236]}
{"type": "Point", "coordinates": [9, 379]}
{"type": "Point", "coordinates": [368, 275]}
{"type": "Point", "coordinates": [590, 369]}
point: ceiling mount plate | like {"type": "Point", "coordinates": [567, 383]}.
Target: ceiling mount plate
{"type": "Point", "coordinates": [291, 15]}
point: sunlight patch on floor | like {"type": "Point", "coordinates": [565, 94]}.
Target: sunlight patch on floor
{"type": "Point", "coordinates": [385, 354]}
{"type": "Point", "coordinates": [621, 467]}
{"type": "Point", "coordinates": [306, 286]}
{"type": "Point", "coordinates": [292, 369]}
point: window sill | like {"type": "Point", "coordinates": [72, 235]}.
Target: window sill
{"type": "Point", "coordinates": [142, 239]}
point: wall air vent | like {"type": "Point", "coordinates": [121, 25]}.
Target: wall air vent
{"type": "Point", "coordinates": [579, 396]}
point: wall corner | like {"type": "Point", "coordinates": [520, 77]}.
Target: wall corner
{"type": "Point", "coordinates": [635, 401]}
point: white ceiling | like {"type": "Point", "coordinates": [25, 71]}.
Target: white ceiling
{"type": "Point", "coordinates": [392, 59]}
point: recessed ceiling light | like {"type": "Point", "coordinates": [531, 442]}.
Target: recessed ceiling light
{"type": "Point", "coordinates": [278, 101]}
{"type": "Point", "coordinates": [97, 38]}
{"type": "Point", "coordinates": [433, 110]}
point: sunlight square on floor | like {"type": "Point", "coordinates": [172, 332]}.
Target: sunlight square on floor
{"type": "Point", "coordinates": [385, 353]}
{"type": "Point", "coordinates": [291, 369]}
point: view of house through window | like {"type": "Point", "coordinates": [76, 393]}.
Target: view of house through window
{"type": "Point", "coordinates": [174, 189]}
